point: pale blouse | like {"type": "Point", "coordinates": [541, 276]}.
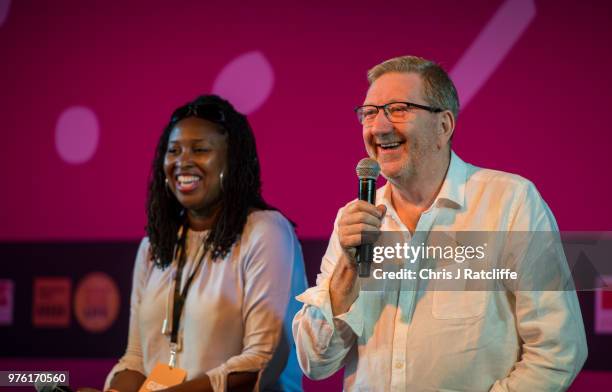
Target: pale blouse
{"type": "Point", "coordinates": [237, 313]}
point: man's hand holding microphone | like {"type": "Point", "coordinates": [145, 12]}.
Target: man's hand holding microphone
{"type": "Point", "coordinates": [357, 218]}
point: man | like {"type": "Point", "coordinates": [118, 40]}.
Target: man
{"type": "Point", "coordinates": [408, 339]}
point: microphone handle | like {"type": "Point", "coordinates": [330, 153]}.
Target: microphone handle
{"type": "Point", "coordinates": [363, 257]}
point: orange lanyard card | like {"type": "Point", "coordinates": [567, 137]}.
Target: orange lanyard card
{"type": "Point", "coordinates": [163, 376]}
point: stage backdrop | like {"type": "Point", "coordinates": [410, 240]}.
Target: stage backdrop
{"type": "Point", "coordinates": [88, 86]}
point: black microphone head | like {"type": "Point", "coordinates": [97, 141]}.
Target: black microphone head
{"type": "Point", "coordinates": [368, 168]}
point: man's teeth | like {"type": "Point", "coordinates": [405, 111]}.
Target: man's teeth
{"type": "Point", "coordinates": [187, 179]}
{"type": "Point", "coordinates": [389, 145]}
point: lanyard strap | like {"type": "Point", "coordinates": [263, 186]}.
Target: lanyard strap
{"type": "Point", "coordinates": [180, 297]}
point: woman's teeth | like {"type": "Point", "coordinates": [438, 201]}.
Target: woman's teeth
{"type": "Point", "coordinates": [187, 179]}
{"type": "Point", "coordinates": [187, 183]}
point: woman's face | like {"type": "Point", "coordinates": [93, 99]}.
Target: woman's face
{"type": "Point", "coordinates": [194, 160]}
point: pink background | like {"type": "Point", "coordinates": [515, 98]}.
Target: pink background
{"type": "Point", "coordinates": [537, 76]}
{"type": "Point", "coordinates": [542, 113]}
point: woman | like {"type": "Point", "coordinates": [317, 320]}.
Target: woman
{"type": "Point", "coordinates": [215, 278]}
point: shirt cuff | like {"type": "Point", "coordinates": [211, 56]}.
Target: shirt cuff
{"type": "Point", "coordinates": [319, 298]}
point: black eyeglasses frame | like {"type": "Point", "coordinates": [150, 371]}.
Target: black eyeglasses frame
{"type": "Point", "coordinates": [386, 106]}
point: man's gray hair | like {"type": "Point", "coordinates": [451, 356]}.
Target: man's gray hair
{"type": "Point", "coordinates": [438, 87]}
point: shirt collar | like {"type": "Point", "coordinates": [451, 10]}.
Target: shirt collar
{"type": "Point", "coordinates": [453, 187]}
{"type": "Point", "coordinates": [452, 193]}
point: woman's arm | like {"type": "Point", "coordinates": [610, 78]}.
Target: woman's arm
{"type": "Point", "coordinates": [268, 250]}
{"type": "Point", "coordinates": [128, 374]}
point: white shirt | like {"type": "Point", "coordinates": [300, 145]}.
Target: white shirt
{"type": "Point", "coordinates": [238, 310]}
{"type": "Point", "coordinates": [411, 340]}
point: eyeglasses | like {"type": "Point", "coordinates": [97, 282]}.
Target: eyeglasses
{"type": "Point", "coordinates": [396, 112]}
{"type": "Point", "coordinates": [207, 112]}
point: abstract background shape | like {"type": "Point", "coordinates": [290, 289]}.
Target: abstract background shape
{"type": "Point", "coordinates": [246, 81]}
{"type": "Point", "coordinates": [493, 43]}
{"type": "Point", "coordinates": [77, 134]}
{"type": "Point", "coordinates": [5, 6]}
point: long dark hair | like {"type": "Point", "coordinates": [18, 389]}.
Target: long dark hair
{"type": "Point", "coordinates": [241, 183]}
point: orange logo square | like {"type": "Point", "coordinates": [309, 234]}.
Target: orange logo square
{"type": "Point", "coordinates": [51, 302]}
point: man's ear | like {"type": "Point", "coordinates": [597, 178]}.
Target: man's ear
{"type": "Point", "coordinates": [446, 127]}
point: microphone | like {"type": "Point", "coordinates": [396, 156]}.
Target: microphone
{"type": "Point", "coordinates": [367, 170]}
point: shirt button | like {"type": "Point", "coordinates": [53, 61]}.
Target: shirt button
{"type": "Point", "coordinates": [399, 364]}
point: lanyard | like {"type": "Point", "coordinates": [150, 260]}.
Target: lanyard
{"type": "Point", "coordinates": [180, 296]}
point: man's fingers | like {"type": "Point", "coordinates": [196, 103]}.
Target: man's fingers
{"type": "Point", "coordinates": [361, 217]}
{"type": "Point", "coordinates": [362, 206]}
{"type": "Point", "coordinates": [351, 241]}
{"type": "Point", "coordinates": [359, 211]}
{"type": "Point", "coordinates": [355, 235]}
{"type": "Point", "coordinates": [382, 209]}
{"type": "Point", "coordinates": [357, 228]}
{"type": "Point", "coordinates": [360, 224]}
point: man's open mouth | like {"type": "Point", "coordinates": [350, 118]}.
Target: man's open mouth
{"type": "Point", "coordinates": [389, 146]}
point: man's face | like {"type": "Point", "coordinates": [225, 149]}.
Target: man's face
{"type": "Point", "coordinates": [417, 137]}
